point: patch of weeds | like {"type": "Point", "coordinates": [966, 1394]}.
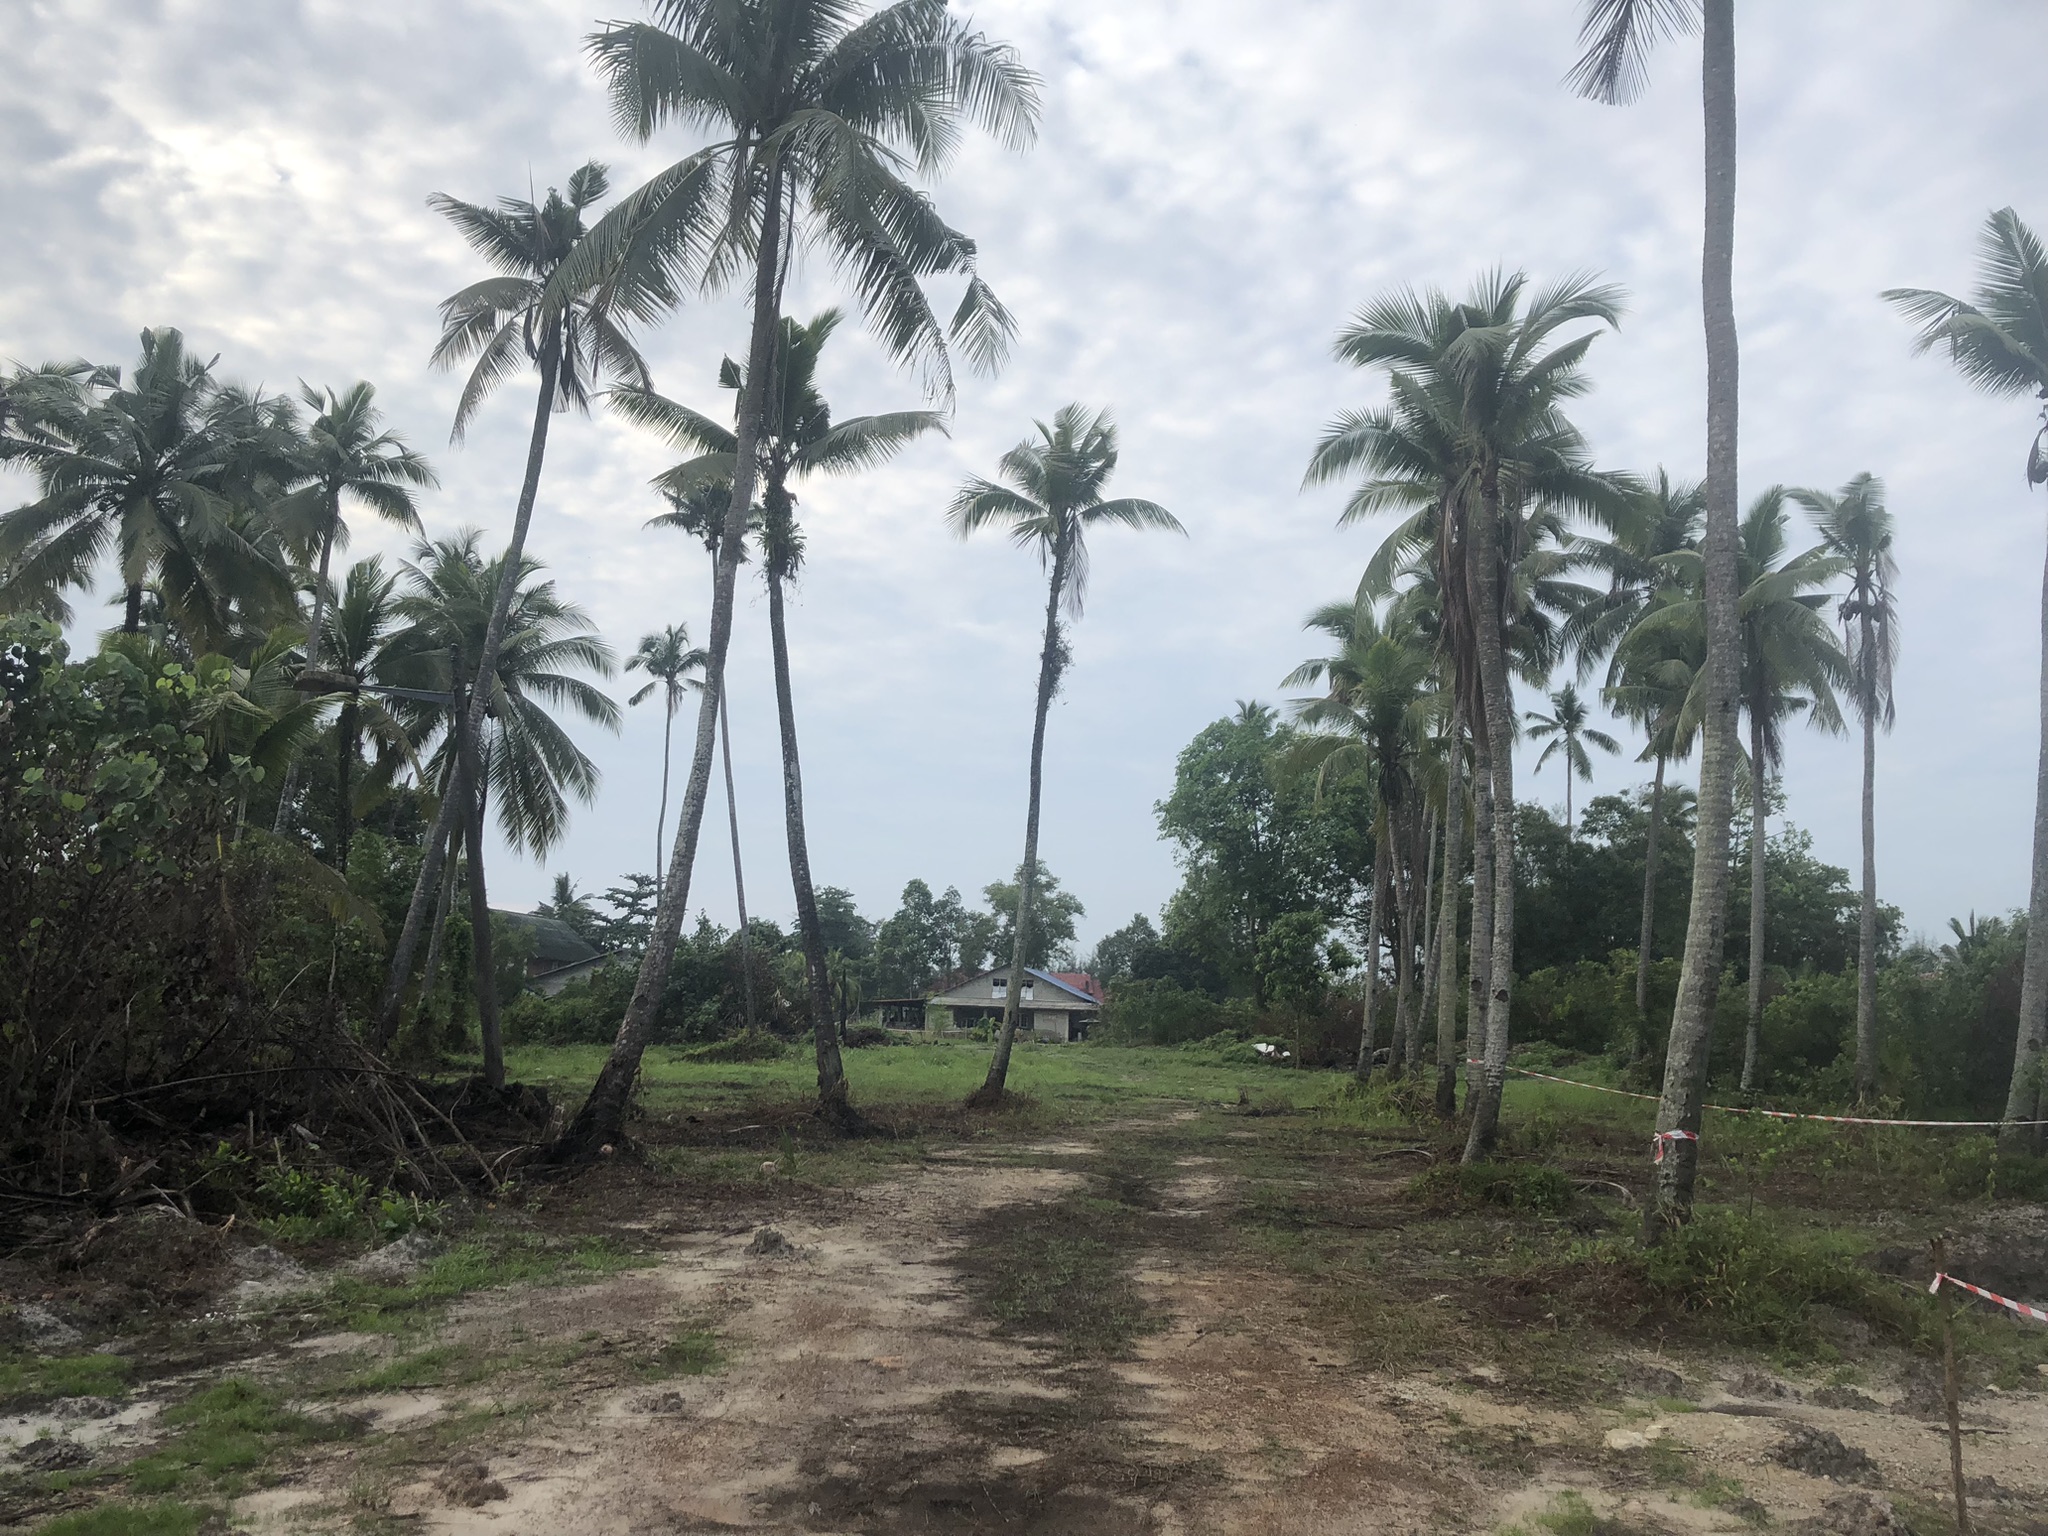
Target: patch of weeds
{"type": "Point", "coordinates": [229, 1431]}
{"type": "Point", "coordinates": [422, 1368]}
{"type": "Point", "coordinates": [1512, 1450]}
{"type": "Point", "coordinates": [129, 1520]}
{"type": "Point", "coordinates": [483, 1263]}
{"type": "Point", "coordinates": [1714, 1491]}
{"type": "Point", "coordinates": [1568, 1514]}
{"type": "Point", "coordinates": [692, 1352]}
{"type": "Point", "coordinates": [1531, 1187]}
{"type": "Point", "coordinates": [302, 1205]}
{"type": "Point", "coordinates": [26, 1380]}
{"type": "Point", "coordinates": [1060, 1270]}
{"type": "Point", "coordinates": [748, 1045]}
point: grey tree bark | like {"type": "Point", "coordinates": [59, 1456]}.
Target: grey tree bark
{"type": "Point", "coordinates": [480, 915]}
{"type": "Point", "coordinates": [1647, 938]}
{"type": "Point", "coordinates": [990, 1093]}
{"type": "Point", "coordinates": [1866, 918]}
{"type": "Point", "coordinates": [739, 879]}
{"type": "Point", "coordinates": [1426, 989]}
{"type": "Point", "coordinates": [1759, 808]}
{"type": "Point", "coordinates": [601, 1121]}
{"type": "Point", "coordinates": [1497, 708]}
{"type": "Point", "coordinates": [1375, 925]}
{"type": "Point", "coordinates": [1447, 925]}
{"type": "Point", "coordinates": [1692, 1017]}
{"type": "Point", "coordinates": [832, 1099]}
{"type": "Point", "coordinates": [1407, 1018]}
{"type": "Point", "coordinates": [392, 1003]}
{"type": "Point", "coordinates": [1481, 970]}
{"type": "Point", "coordinates": [281, 822]}
{"type": "Point", "coordinates": [437, 936]}
{"type": "Point", "coordinates": [2025, 1098]}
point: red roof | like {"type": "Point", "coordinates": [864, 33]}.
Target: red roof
{"type": "Point", "coordinates": [1080, 981]}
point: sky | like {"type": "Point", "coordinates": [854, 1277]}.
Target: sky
{"type": "Point", "coordinates": [1217, 186]}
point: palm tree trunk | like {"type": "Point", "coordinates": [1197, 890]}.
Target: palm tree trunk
{"type": "Point", "coordinates": [1375, 925]}
{"type": "Point", "coordinates": [990, 1093]}
{"type": "Point", "coordinates": [739, 881]}
{"type": "Point", "coordinates": [1866, 918]}
{"type": "Point", "coordinates": [1427, 953]}
{"type": "Point", "coordinates": [602, 1119]}
{"type": "Point", "coordinates": [344, 807]}
{"type": "Point", "coordinates": [480, 915]}
{"type": "Point", "coordinates": [131, 616]}
{"type": "Point", "coordinates": [832, 1098]}
{"type": "Point", "coordinates": [668, 731]}
{"type": "Point", "coordinates": [393, 999]}
{"type": "Point", "coordinates": [443, 905]}
{"type": "Point", "coordinates": [1481, 972]}
{"type": "Point", "coordinates": [1759, 808]}
{"type": "Point", "coordinates": [1647, 934]}
{"type": "Point", "coordinates": [1407, 1016]}
{"type": "Point", "coordinates": [281, 822]}
{"type": "Point", "coordinates": [1692, 1016]}
{"type": "Point", "coordinates": [2025, 1096]}
{"type": "Point", "coordinates": [1497, 708]}
{"type": "Point", "coordinates": [1447, 925]}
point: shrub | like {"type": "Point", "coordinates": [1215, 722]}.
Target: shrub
{"type": "Point", "coordinates": [1530, 1187]}
{"type": "Point", "coordinates": [748, 1045]}
{"type": "Point", "coordinates": [860, 1036]}
{"type": "Point", "coordinates": [1162, 1012]}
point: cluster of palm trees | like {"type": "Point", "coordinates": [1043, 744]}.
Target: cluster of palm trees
{"type": "Point", "coordinates": [1514, 555]}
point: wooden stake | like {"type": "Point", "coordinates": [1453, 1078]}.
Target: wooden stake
{"type": "Point", "coordinates": [1950, 1392]}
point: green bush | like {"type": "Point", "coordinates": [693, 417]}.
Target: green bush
{"type": "Point", "coordinates": [1529, 1187]}
{"type": "Point", "coordinates": [748, 1045]}
{"type": "Point", "coordinates": [1162, 1012]}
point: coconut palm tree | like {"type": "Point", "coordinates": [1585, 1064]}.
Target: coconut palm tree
{"type": "Point", "coordinates": [1791, 666]}
{"type": "Point", "coordinates": [668, 659]}
{"type": "Point", "coordinates": [512, 744]}
{"type": "Point", "coordinates": [157, 472]}
{"type": "Point", "coordinates": [530, 312]}
{"type": "Point", "coordinates": [1999, 341]}
{"type": "Point", "coordinates": [1619, 35]}
{"type": "Point", "coordinates": [819, 116]}
{"type": "Point", "coordinates": [1567, 730]}
{"type": "Point", "coordinates": [798, 439]}
{"type": "Point", "coordinates": [1857, 526]}
{"type": "Point", "coordinates": [1476, 446]}
{"type": "Point", "coordinates": [1372, 718]}
{"type": "Point", "coordinates": [363, 646]}
{"type": "Point", "coordinates": [343, 455]}
{"type": "Point", "coordinates": [1052, 501]}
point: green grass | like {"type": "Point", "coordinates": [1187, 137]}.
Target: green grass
{"type": "Point", "coordinates": [160, 1519]}
{"type": "Point", "coordinates": [26, 1379]}
{"type": "Point", "coordinates": [692, 1352]}
{"type": "Point", "coordinates": [225, 1436]}
{"type": "Point", "coordinates": [486, 1261]}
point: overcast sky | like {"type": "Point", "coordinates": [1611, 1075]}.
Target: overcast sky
{"type": "Point", "coordinates": [1217, 186]}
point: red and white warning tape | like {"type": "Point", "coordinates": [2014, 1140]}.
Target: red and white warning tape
{"type": "Point", "coordinates": [1778, 1114]}
{"type": "Point", "coordinates": [2020, 1307]}
{"type": "Point", "coordinates": [1664, 1137]}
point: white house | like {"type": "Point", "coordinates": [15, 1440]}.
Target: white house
{"type": "Point", "coordinates": [1056, 1005]}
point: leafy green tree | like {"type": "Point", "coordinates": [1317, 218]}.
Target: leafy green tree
{"type": "Point", "coordinates": [1054, 913]}
{"type": "Point", "coordinates": [1856, 526]}
{"type": "Point", "coordinates": [533, 311]}
{"type": "Point", "coordinates": [1999, 342]}
{"type": "Point", "coordinates": [668, 659]}
{"type": "Point", "coordinates": [365, 648]}
{"type": "Point", "coordinates": [1566, 729]}
{"type": "Point", "coordinates": [798, 439]}
{"type": "Point", "coordinates": [150, 472]}
{"type": "Point", "coordinates": [1117, 954]}
{"type": "Point", "coordinates": [568, 905]}
{"type": "Point", "coordinates": [1052, 500]}
{"type": "Point", "coordinates": [818, 113]}
{"type": "Point", "coordinates": [1618, 35]}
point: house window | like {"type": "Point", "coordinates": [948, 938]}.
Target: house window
{"type": "Point", "coordinates": [1027, 991]}
{"type": "Point", "coordinates": [1002, 988]}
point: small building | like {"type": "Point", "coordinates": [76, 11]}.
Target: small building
{"type": "Point", "coordinates": [1056, 1005]}
{"type": "Point", "coordinates": [560, 954]}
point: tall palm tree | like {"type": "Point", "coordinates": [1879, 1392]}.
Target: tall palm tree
{"type": "Point", "coordinates": [1052, 501]}
{"type": "Point", "coordinates": [343, 455]}
{"type": "Point", "coordinates": [668, 659]}
{"type": "Point", "coordinates": [698, 507]}
{"type": "Point", "coordinates": [157, 472]}
{"type": "Point", "coordinates": [1476, 445]}
{"type": "Point", "coordinates": [1999, 341]}
{"type": "Point", "coordinates": [530, 312]}
{"type": "Point", "coordinates": [1791, 666]}
{"type": "Point", "coordinates": [1619, 35]}
{"type": "Point", "coordinates": [819, 115]}
{"type": "Point", "coordinates": [1567, 730]}
{"type": "Point", "coordinates": [1372, 718]}
{"type": "Point", "coordinates": [364, 646]}
{"type": "Point", "coordinates": [798, 439]}
{"type": "Point", "coordinates": [1857, 526]}
{"type": "Point", "coordinates": [511, 744]}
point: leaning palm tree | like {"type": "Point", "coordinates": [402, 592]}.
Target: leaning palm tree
{"type": "Point", "coordinates": [819, 115]}
{"type": "Point", "coordinates": [511, 747]}
{"type": "Point", "coordinates": [1857, 526]}
{"type": "Point", "coordinates": [1052, 500]}
{"type": "Point", "coordinates": [528, 313]}
{"type": "Point", "coordinates": [1619, 35]}
{"type": "Point", "coordinates": [1475, 445]}
{"type": "Point", "coordinates": [159, 472]}
{"type": "Point", "coordinates": [1567, 731]}
{"type": "Point", "coordinates": [798, 439]}
{"type": "Point", "coordinates": [668, 659]}
{"type": "Point", "coordinates": [1999, 341]}
{"type": "Point", "coordinates": [343, 457]}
